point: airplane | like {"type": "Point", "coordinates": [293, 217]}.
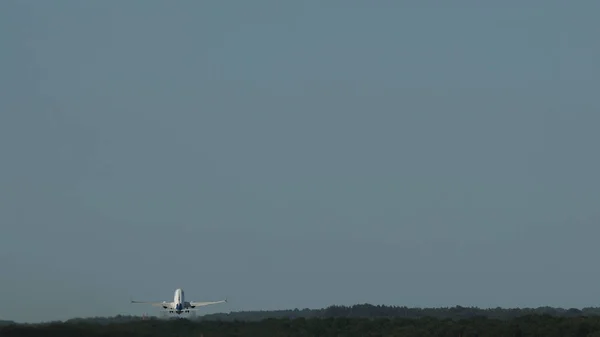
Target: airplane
{"type": "Point", "coordinates": [179, 304]}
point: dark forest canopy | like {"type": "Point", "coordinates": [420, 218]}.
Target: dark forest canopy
{"type": "Point", "coordinates": [380, 311]}
{"type": "Point", "coordinates": [370, 311]}
{"type": "Point", "coordinates": [529, 325]}
{"type": "Point", "coordinates": [337, 321]}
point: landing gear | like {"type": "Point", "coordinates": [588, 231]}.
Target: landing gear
{"type": "Point", "coordinates": [178, 314]}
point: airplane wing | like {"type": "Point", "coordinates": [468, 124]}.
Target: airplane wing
{"type": "Point", "coordinates": [154, 304]}
{"type": "Point", "coordinates": [201, 304]}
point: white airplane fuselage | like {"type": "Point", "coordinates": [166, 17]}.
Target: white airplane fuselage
{"type": "Point", "coordinates": [179, 301]}
{"type": "Point", "coordinates": [179, 304]}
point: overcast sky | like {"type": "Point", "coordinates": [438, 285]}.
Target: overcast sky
{"type": "Point", "coordinates": [292, 154]}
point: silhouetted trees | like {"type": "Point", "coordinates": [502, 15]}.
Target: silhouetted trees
{"type": "Point", "coordinates": [381, 311]}
{"type": "Point", "coordinates": [530, 325]}
{"type": "Point", "coordinates": [337, 321]}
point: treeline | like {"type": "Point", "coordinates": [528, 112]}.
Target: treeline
{"type": "Point", "coordinates": [371, 311]}
{"type": "Point", "coordinates": [382, 311]}
{"type": "Point", "coordinates": [530, 325]}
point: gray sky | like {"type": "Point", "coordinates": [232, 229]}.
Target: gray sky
{"type": "Point", "coordinates": [298, 154]}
